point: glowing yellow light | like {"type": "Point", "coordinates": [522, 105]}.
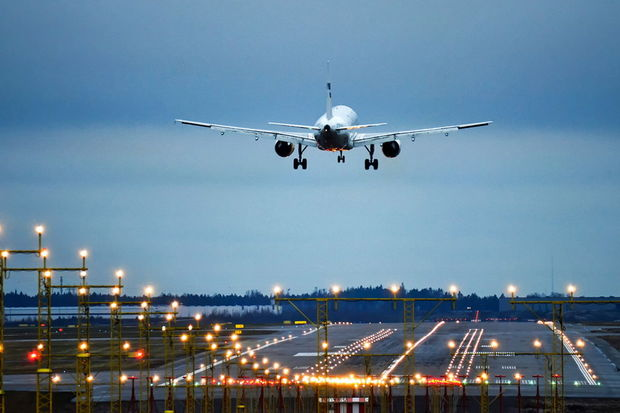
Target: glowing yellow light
{"type": "Point", "coordinates": [116, 290]}
{"type": "Point", "coordinates": [518, 376]}
{"type": "Point", "coordinates": [454, 290]}
{"type": "Point", "coordinates": [277, 290]}
{"type": "Point", "coordinates": [169, 317]}
{"type": "Point", "coordinates": [537, 343]}
{"type": "Point", "coordinates": [83, 346]}
{"type": "Point", "coordinates": [120, 273]}
{"type": "Point", "coordinates": [83, 253]}
{"type": "Point", "coordinates": [255, 366]}
{"type": "Point", "coordinates": [197, 316]}
{"type": "Point", "coordinates": [82, 291]}
{"type": "Point", "coordinates": [45, 253]}
{"type": "Point", "coordinates": [234, 337]}
{"type": "Point", "coordinates": [40, 346]}
{"type": "Point", "coordinates": [244, 360]}
{"type": "Point", "coordinates": [140, 317]}
{"type": "Point", "coordinates": [148, 291]}
{"type": "Point", "coordinates": [217, 327]}
{"type": "Point", "coordinates": [213, 346]}
{"type": "Point", "coordinates": [183, 337]}
{"type": "Point", "coordinates": [409, 344]}
{"type": "Point", "coordinates": [209, 337]}
{"type": "Point", "coordinates": [155, 378]}
{"type": "Point", "coordinates": [126, 345]}
{"type": "Point", "coordinates": [324, 345]}
{"type": "Point", "coordinates": [83, 274]}
{"type": "Point", "coordinates": [123, 378]}
{"type": "Point", "coordinates": [39, 229]}
{"type": "Point", "coordinates": [5, 254]}
{"type": "Point", "coordinates": [394, 288]}
{"type": "Point", "coordinates": [174, 305]}
{"type": "Point", "coordinates": [113, 305]}
{"type": "Point", "coordinates": [366, 345]}
{"type": "Point", "coordinates": [571, 289]}
{"type": "Point", "coordinates": [494, 344]}
{"type": "Point", "coordinates": [265, 360]}
{"type": "Point", "coordinates": [90, 378]}
{"type": "Point", "coordinates": [285, 371]}
{"type": "Point", "coordinates": [451, 344]}
{"type": "Point", "coordinates": [335, 289]}
{"type": "Point", "coordinates": [580, 343]}
{"type": "Point", "coordinates": [512, 290]}
{"type": "Point", "coordinates": [144, 304]}
{"type": "Point", "coordinates": [55, 378]}
{"type": "Point", "coordinates": [190, 327]}
{"type": "Point", "coordinates": [484, 376]}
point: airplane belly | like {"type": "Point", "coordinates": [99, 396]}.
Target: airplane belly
{"type": "Point", "coordinates": [333, 141]}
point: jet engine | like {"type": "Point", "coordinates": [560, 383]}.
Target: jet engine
{"type": "Point", "coordinates": [284, 149]}
{"type": "Point", "coordinates": [391, 149]}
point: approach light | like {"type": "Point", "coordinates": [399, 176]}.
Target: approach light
{"type": "Point", "coordinates": [120, 273]}
{"type": "Point", "coordinates": [277, 290]}
{"type": "Point", "coordinates": [394, 289]}
{"type": "Point", "coordinates": [83, 253]}
{"type": "Point", "coordinates": [454, 290]}
{"type": "Point", "coordinates": [335, 289]}
{"type": "Point", "coordinates": [39, 229]}
{"type": "Point", "coordinates": [512, 290]}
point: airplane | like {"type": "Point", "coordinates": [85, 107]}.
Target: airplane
{"type": "Point", "coordinates": [336, 130]}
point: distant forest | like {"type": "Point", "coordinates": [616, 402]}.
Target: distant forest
{"type": "Point", "coordinates": [466, 307]}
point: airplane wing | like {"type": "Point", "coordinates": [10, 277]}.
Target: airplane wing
{"type": "Point", "coordinates": [363, 139]}
{"type": "Point", "coordinates": [291, 137]}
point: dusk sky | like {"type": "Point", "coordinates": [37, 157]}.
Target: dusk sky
{"type": "Point", "coordinates": [89, 94]}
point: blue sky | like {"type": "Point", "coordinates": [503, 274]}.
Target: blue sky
{"type": "Point", "coordinates": [89, 146]}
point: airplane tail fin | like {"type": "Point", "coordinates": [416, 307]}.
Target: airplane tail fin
{"type": "Point", "coordinates": [328, 109]}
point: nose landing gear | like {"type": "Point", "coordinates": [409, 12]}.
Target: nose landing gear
{"type": "Point", "coordinates": [341, 157]}
{"type": "Point", "coordinates": [300, 160]}
{"type": "Point", "coordinates": [371, 161]}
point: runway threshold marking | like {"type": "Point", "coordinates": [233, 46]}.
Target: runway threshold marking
{"type": "Point", "coordinates": [397, 361]}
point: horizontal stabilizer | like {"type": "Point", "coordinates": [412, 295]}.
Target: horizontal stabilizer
{"type": "Point", "coordinates": [369, 125]}
{"type": "Point", "coordinates": [292, 125]}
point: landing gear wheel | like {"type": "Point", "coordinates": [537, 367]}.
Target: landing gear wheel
{"type": "Point", "coordinates": [341, 157]}
{"type": "Point", "coordinates": [300, 161]}
{"type": "Point", "coordinates": [372, 161]}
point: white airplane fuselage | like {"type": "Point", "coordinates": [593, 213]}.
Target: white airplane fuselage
{"type": "Point", "coordinates": [329, 138]}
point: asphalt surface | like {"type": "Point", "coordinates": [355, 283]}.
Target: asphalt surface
{"type": "Point", "coordinates": [588, 374]}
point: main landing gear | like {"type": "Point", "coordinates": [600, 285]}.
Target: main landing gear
{"type": "Point", "coordinates": [371, 162]}
{"type": "Point", "coordinates": [300, 160]}
{"type": "Point", "coordinates": [341, 157]}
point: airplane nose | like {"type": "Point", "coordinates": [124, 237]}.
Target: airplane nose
{"type": "Point", "coordinates": [326, 128]}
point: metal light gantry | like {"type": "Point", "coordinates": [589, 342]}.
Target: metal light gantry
{"type": "Point", "coordinates": [556, 369]}
{"type": "Point", "coordinates": [322, 322]}
{"type": "Point", "coordinates": [44, 317]}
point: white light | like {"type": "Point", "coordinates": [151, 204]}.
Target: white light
{"type": "Point", "coordinates": [83, 253]}
{"type": "Point", "coordinates": [120, 273]}
{"type": "Point", "coordinates": [336, 289]}
{"type": "Point", "coordinates": [277, 290]}
{"type": "Point", "coordinates": [39, 229]}
{"type": "Point", "coordinates": [148, 291]}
